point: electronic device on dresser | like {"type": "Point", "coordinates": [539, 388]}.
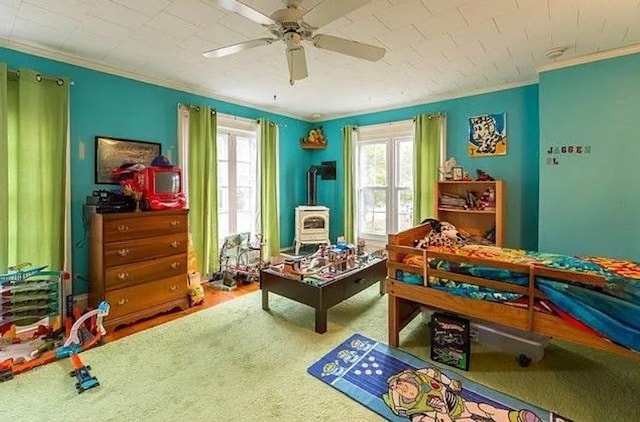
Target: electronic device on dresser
{"type": "Point", "coordinates": [161, 187]}
{"type": "Point", "coordinates": [104, 201]}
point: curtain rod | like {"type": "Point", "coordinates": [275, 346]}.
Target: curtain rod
{"type": "Point", "coordinates": [46, 77]}
{"type": "Point", "coordinates": [224, 115]}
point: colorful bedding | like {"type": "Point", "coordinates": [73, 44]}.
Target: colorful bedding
{"type": "Point", "coordinates": [613, 310]}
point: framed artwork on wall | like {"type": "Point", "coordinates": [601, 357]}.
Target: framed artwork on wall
{"type": "Point", "coordinates": [487, 135]}
{"type": "Point", "coordinates": [111, 153]}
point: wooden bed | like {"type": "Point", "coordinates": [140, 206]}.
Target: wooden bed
{"type": "Point", "coordinates": [405, 299]}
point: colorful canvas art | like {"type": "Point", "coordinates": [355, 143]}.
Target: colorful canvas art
{"type": "Point", "coordinates": [488, 135]}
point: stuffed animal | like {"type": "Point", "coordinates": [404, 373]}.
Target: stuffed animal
{"type": "Point", "coordinates": [483, 176]}
{"type": "Point", "coordinates": [446, 169]}
{"type": "Point", "coordinates": [442, 234]}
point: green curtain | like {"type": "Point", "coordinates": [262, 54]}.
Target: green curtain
{"type": "Point", "coordinates": [349, 183]}
{"type": "Point", "coordinates": [203, 187]}
{"type": "Point", "coordinates": [269, 188]}
{"type": "Point", "coordinates": [4, 175]}
{"type": "Point", "coordinates": [429, 131]}
{"type": "Point", "coordinates": [33, 156]}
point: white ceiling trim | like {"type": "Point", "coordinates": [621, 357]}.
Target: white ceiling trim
{"type": "Point", "coordinates": [436, 99]}
{"type": "Point", "coordinates": [590, 58]}
{"type": "Point", "coordinates": [88, 64]}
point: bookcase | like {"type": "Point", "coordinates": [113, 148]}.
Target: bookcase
{"type": "Point", "coordinates": [475, 207]}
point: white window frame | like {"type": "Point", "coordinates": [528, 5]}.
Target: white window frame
{"type": "Point", "coordinates": [390, 134]}
{"type": "Point", "coordinates": [233, 127]}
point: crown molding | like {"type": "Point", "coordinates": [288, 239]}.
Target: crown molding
{"type": "Point", "coordinates": [434, 99]}
{"type": "Point", "coordinates": [89, 64]}
{"type": "Point", "coordinates": [590, 58]}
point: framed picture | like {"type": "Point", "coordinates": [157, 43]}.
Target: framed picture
{"type": "Point", "coordinates": [458, 173]}
{"type": "Point", "coordinates": [487, 135]}
{"type": "Point", "coordinates": [111, 153]}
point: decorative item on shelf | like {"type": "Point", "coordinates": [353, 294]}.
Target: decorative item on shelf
{"type": "Point", "coordinates": [487, 200]}
{"type": "Point", "coordinates": [446, 169]}
{"type": "Point", "coordinates": [483, 176]}
{"type": "Point", "coordinates": [458, 173]}
{"type": "Point", "coordinates": [314, 140]}
{"type": "Point", "coordinates": [466, 177]}
{"type": "Point", "coordinates": [487, 135]}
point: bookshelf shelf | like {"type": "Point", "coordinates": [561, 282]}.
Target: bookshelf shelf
{"type": "Point", "coordinates": [469, 211]}
{"type": "Point", "coordinates": [474, 220]}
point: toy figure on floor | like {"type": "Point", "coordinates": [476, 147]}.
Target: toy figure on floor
{"type": "Point", "coordinates": [427, 395]}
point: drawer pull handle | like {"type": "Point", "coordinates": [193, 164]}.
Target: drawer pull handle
{"type": "Point", "coordinates": [175, 244]}
{"type": "Point", "coordinates": [123, 252]}
{"type": "Point", "coordinates": [174, 223]}
{"type": "Point", "coordinates": [122, 301]}
{"type": "Point", "coordinates": [123, 228]}
{"type": "Point", "coordinates": [122, 276]}
{"type": "Point", "coordinates": [173, 288]}
{"type": "Point", "coordinates": [175, 265]}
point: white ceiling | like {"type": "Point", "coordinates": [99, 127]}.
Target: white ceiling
{"type": "Point", "coordinates": [435, 48]}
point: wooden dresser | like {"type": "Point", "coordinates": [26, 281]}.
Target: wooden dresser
{"type": "Point", "coordinates": [138, 263]}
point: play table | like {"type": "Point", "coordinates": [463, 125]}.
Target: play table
{"type": "Point", "coordinates": [320, 294]}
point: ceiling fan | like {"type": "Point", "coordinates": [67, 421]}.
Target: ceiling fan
{"type": "Point", "coordinates": [293, 25]}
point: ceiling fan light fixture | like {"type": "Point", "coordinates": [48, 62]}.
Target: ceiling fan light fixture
{"type": "Point", "coordinates": [297, 64]}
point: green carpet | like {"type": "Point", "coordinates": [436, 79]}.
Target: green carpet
{"type": "Point", "coordinates": [236, 362]}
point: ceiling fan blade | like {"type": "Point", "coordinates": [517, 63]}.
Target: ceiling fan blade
{"type": "Point", "coordinates": [349, 47]}
{"type": "Point", "coordinates": [330, 10]}
{"type": "Point", "coordinates": [297, 63]}
{"type": "Point", "coordinates": [244, 10]}
{"type": "Point", "coordinates": [234, 48]}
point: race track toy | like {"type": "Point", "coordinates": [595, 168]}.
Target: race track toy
{"type": "Point", "coordinates": [79, 339]}
{"type": "Point", "coordinates": [81, 372]}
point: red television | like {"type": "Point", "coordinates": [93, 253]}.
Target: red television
{"type": "Point", "coordinates": [161, 187]}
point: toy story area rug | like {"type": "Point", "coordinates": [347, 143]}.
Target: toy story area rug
{"type": "Point", "coordinates": [401, 387]}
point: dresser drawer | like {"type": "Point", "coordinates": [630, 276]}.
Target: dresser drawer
{"type": "Point", "coordinates": [138, 298]}
{"type": "Point", "coordinates": [142, 272]}
{"type": "Point", "coordinates": [145, 226]}
{"type": "Point", "coordinates": [120, 253]}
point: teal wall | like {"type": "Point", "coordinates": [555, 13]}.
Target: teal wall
{"type": "Point", "coordinates": [519, 168]}
{"type": "Point", "coordinates": [589, 202]}
{"type": "Point", "coordinates": [103, 104]}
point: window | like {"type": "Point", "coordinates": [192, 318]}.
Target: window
{"type": "Point", "coordinates": [384, 180]}
{"type": "Point", "coordinates": [238, 184]}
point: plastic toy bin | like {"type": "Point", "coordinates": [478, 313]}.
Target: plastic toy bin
{"type": "Point", "coordinates": [505, 339]}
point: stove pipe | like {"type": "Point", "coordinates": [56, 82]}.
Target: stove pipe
{"type": "Point", "coordinates": [312, 185]}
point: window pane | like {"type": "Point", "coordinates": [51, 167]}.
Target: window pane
{"type": "Point", "coordinates": [244, 149]}
{"type": "Point", "coordinates": [245, 200]}
{"type": "Point", "coordinates": [380, 200]}
{"type": "Point", "coordinates": [366, 202]}
{"type": "Point", "coordinates": [405, 209]}
{"type": "Point", "coordinates": [245, 223]}
{"type": "Point", "coordinates": [223, 173]}
{"type": "Point", "coordinates": [244, 175]}
{"type": "Point", "coordinates": [223, 146]}
{"type": "Point", "coordinates": [223, 199]}
{"type": "Point", "coordinates": [404, 165]}
{"type": "Point", "coordinates": [223, 226]}
{"type": "Point", "coordinates": [373, 165]}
